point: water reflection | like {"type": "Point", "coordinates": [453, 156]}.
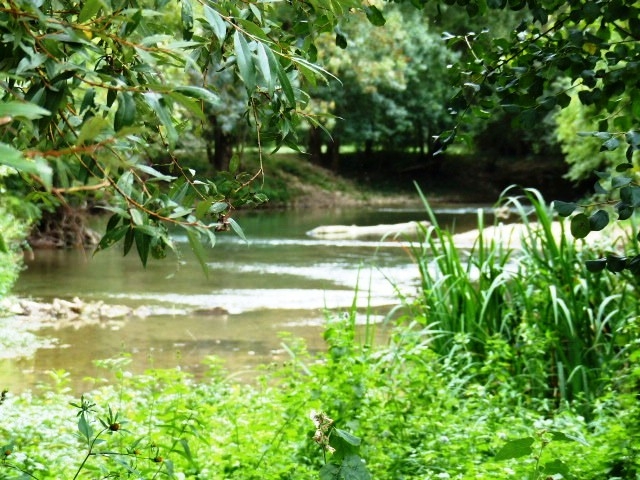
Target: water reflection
{"type": "Point", "coordinates": [282, 280]}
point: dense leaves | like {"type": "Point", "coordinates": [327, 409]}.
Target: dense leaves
{"type": "Point", "coordinates": [93, 90]}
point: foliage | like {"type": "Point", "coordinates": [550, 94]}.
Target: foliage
{"type": "Point", "coordinates": [382, 99]}
{"type": "Point", "coordinates": [622, 191]}
{"type": "Point", "coordinates": [580, 150]}
{"type": "Point", "coordinates": [535, 311]}
{"type": "Point", "coordinates": [593, 46]}
{"type": "Point", "coordinates": [592, 49]}
{"type": "Point", "coordinates": [416, 415]}
{"type": "Point", "coordinates": [92, 90]}
{"type": "Point", "coordinates": [14, 223]}
{"type": "Point", "coordinates": [535, 447]}
{"type": "Point", "coordinates": [469, 384]}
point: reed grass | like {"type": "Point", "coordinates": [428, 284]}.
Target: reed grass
{"type": "Point", "coordinates": [531, 311]}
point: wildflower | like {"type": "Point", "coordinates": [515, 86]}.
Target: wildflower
{"type": "Point", "coordinates": [323, 426]}
{"type": "Point", "coordinates": [321, 420]}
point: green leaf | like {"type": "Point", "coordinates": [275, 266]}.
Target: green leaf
{"type": "Point", "coordinates": [599, 189]}
{"type": "Point", "coordinates": [198, 249]}
{"type": "Point", "coordinates": [3, 245]}
{"type": "Point", "coordinates": [91, 129]}
{"type": "Point", "coordinates": [610, 144]}
{"type": "Point", "coordinates": [137, 217]}
{"type": "Point", "coordinates": [13, 158]}
{"type": "Point", "coordinates": [564, 209]}
{"type": "Point", "coordinates": [329, 471]}
{"type": "Point", "coordinates": [595, 266]}
{"type": "Point", "coordinates": [374, 15]}
{"type": "Point", "coordinates": [282, 77]}
{"type": "Point", "coordinates": [244, 60]}
{"type": "Point", "coordinates": [616, 263]}
{"type": "Point", "coordinates": [186, 16]}
{"type": "Point", "coordinates": [218, 208]}
{"type": "Point", "coordinates": [286, 85]}
{"type": "Point", "coordinates": [620, 181]}
{"type": "Point", "coordinates": [353, 468]}
{"type": "Point", "coordinates": [143, 243]}
{"type": "Point", "coordinates": [623, 167]}
{"type": "Point", "coordinates": [88, 100]}
{"type": "Point", "coordinates": [26, 110]}
{"type": "Point", "coordinates": [580, 226]}
{"type": "Point", "coordinates": [624, 210]}
{"type": "Point", "coordinates": [558, 436]}
{"type": "Point", "coordinates": [556, 467]}
{"type": "Point", "coordinates": [630, 194]}
{"type": "Point", "coordinates": [216, 22]}
{"type": "Point", "coordinates": [156, 102]}
{"type": "Point", "coordinates": [253, 30]}
{"type": "Point", "coordinates": [634, 265]}
{"type": "Point", "coordinates": [515, 449]}
{"type": "Point", "coordinates": [89, 10]}
{"type": "Point", "coordinates": [347, 437]}
{"type": "Point", "coordinates": [128, 241]}
{"type": "Point", "coordinates": [84, 428]}
{"type": "Point", "coordinates": [192, 105]}
{"type": "Point", "coordinates": [633, 139]}
{"type": "Point", "coordinates": [112, 236]}
{"type": "Point", "coordinates": [234, 163]}
{"type": "Point", "coordinates": [265, 68]}
{"type": "Point", "coordinates": [126, 113]}
{"type": "Point", "coordinates": [199, 93]}
{"type": "Point", "coordinates": [237, 229]}
{"type": "Point", "coordinates": [154, 173]}
{"type": "Point", "coordinates": [598, 220]}
{"type": "Point", "coordinates": [39, 167]}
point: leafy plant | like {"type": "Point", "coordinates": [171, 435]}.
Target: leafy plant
{"type": "Point", "coordinates": [344, 448]}
{"type": "Point", "coordinates": [535, 447]}
{"type": "Point", "coordinates": [521, 304]}
{"type": "Point", "coordinates": [620, 191]}
{"type": "Point", "coordinates": [92, 90]}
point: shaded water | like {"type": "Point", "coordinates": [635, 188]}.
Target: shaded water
{"type": "Point", "coordinates": [283, 281]}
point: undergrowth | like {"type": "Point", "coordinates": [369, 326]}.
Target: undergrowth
{"type": "Point", "coordinates": [508, 365]}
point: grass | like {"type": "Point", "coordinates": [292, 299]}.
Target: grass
{"type": "Point", "coordinates": [535, 311]}
{"type": "Point", "coordinates": [487, 375]}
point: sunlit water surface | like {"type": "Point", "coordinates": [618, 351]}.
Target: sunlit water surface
{"type": "Point", "coordinates": [282, 280]}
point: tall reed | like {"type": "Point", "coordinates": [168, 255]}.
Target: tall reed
{"type": "Point", "coordinates": [525, 308]}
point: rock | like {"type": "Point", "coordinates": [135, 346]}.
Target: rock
{"type": "Point", "coordinates": [382, 231]}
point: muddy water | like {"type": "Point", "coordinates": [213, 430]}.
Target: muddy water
{"type": "Point", "coordinates": [281, 281]}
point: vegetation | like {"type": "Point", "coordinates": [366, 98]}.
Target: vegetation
{"type": "Point", "coordinates": [470, 384]}
{"type": "Point", "coordinates": [506, 364]}
{"type": "Point", "coordinates": [101, 99]}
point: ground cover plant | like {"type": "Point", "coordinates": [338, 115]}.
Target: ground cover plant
{"type": "Point", "coordinates": [468, 385]}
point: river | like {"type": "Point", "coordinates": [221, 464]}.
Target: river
{"type": "Point", "coordinates": [282, 280]}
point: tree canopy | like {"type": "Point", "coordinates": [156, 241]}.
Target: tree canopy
{"type": "Point", "coordinates": [93, 90]}
{"type": "Point", "coordinates": [90, 88]}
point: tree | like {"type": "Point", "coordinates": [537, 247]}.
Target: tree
{"type": "Point", "coordinates": [589, 50]}
{"type": "Point", "coordinates": [393, 85]}
{"type": "Point", "coordinates": [91, 88]}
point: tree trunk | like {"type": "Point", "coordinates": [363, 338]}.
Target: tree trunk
{"type": "Point", "coordinates": [220, 151]}
{"type": "Point", "coordinates": [333, 151]}
{"type": "Point", "coordinates": [315, 145]}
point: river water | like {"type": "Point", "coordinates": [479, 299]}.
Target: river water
{"type": "Point", "coordinates": [282, 280]}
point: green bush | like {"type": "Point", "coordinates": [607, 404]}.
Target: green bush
{"type": "Point", "coordinates": [13, 229]}
{"type": "Point", "coordinates": [533, 313]}
{"type": "Point", "coordinates": [467, 384]}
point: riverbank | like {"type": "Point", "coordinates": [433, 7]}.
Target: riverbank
{"type": "Point", "coordinates": [291, 181]}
